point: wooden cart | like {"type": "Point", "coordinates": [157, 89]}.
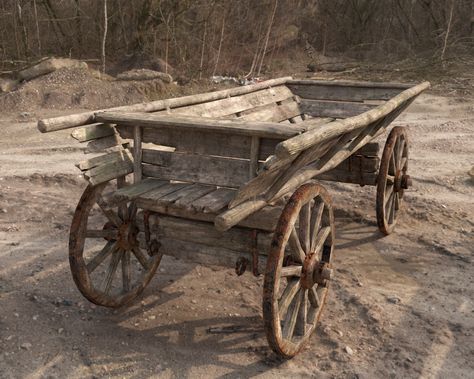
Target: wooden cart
{"type": "Point", "coordinates": [228, 178]}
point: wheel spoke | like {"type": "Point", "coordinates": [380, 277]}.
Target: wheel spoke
{"type": "Point", "coordinates": [140, 257]}
{"type": "Point", "coordinates": [404, 162]}
{"type": "Point", "coordinates": [109, 248]}
{"type": "Point", "coordinates": [304, 225]}
{"type": "Point", "coordinates": [301, 320]}
{"type": "Point", "coordinates": [109, 213]}
{"type": "Point", "coordinates": [132, 211]}
{"type": "Point", "coordinates": [126, 271]}
{"type": "Point", "coordinates": [108, 280]}
{"type": "Point", "coordinates": [295, 245]}
{"type": "Point", "coordinates": [388, 201]}
{"type": "Point", "coordinates": [397, 201]}
{"type": "Point", "coordinates": [392, 167]}
{"type": "Point", "coordinates": [314, 298]}
{"type": "Point", "coordinates": [288, 294]}
{"type": "Point", "coordinates": [316, 220]}
{"type": "Point", "coordinates": [102, 233]}
{"type": "Point", "coordinates": [290, 321]}
{"type": "Point", "coordinates": [291, 271]}
{"type": "Point", "coordinates": [321, 238]}
{"type": "Point", "coordinates": [391, 213]}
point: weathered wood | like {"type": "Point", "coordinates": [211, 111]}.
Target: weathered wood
{"type": "Point", "coordinates": [104, 144]}
{"type": "Point", "coordinates": [359, 163]}
{"type": "Point", "coordinates": [161, 191]}
{"type": "Point", "coordinates": [222, 171]}
{"type": "Point", "coordinates": [133, 191]}
{"type": "Point", "coordinates": [254, 153]}
{"type": "Point", "coordinates": [336, 109]}
{"type": "Point", "coordinates": [213, 201]}
{"type": "Point", "coordinates": [273, 112]}
{"type": "Point", "coordinates": [207, 143]}
{"type": "Point", "coordinates": [233, 216]}
{"type": "Point", "coordinates": [109, 171]}
{"type": "Point", "coordinates": [233, 105]}
{"type": "Point", "coordinates": [234, 126]}
{"type": "Point", "coordinates": [301, 142]}
{"type": "Point", "coordinates": [70, 121]}
{"type": "Point", "coordinates": [189, 194]}
{"type": "Point", "coordinates": [370, 149]}
{"type": "Point", "coordinates": [92, 132]}
{"type": "Point", "coordinates": [345, 91]}
{"type": "Point", "coordinates": [354, 177]}
{"type": "Point", "coordinates": [237, 239]}
{"type": "Point", "coordinates": [137, 154]}
{"type": "Point", "coordinates": [104, 159]}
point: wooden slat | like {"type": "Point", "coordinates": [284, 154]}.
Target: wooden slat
{"type": "Point", "coordinates": [103, 159]}
{"type": "Point", "coordinates": [273, 112]}
{"type": "Point", "coordinates": [344, 176]}
{"type": "Point", "coordinates": [221, 171]}
{"type": "Point", "coordinates": [319, 90]}
{"type": "Point", "coordinates": [137, 154]}
{"type": "Point", "coordinates": [70, 121]}
{"type": "Point", "coordinates": [336, 109]}
{"type": "Point", "coordinates": [232, 105]}
{"type": "Point", "coordinates": [92, 132]}
{"type": "Point", "coordinates": [133, 191]}
{"type": "Point", "coordinates": [234, 146]}
{"type": "Point", "coordinates": [370, 149]}
{"type": "Point", "coordinates": [109, 171]}
{"type": "Point", "coordinates": [196, 192]}
{"type": "Point", "coordinates": [100, 145]}
{"type": "Point", "coordinates": [232, 127]}
{"type": "Point", "coordinates": [359, 163]}
{"type": "Point", "coordinates": [164, 190]}
{"type": "Point", "coordinates": [214, 201]}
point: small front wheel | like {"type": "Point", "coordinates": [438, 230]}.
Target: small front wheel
{"type": "Point", "coordinates": [392, 179]}
{"type": "Point", "coordinates": [107, 263]}
{"type": "Point", "coordinates": [298, 269]}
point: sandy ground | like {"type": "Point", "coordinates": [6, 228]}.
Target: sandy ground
{"type": "Point", "coordinates": [403, 304]}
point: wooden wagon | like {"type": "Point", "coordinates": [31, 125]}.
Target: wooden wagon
{"type": "Point", "coordinates": [232, 178]}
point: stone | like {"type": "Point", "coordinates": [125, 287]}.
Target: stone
{"type": "Point", "coordinates": [348, 350]}
{"type": "Point", "coordinates": [26, 346]}
{"type": "Point", "coordinates": [394, 299]}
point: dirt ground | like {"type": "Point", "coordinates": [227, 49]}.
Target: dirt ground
{"type": "Point", "coordinates": [400, 306]}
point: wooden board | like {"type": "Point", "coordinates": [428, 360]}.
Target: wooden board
{"type": "Point", "coordinates": [214, 201]}
{"type": "Point", "coordinates": [198, 142]}
{"type": "Point", "coordinates": [221, 171]}
{"type": "Point", "coordinates": [91, 132]}
{"type": "Point", "coordinates": [109, 171]}
{"type": "Point", "coordinates": [345, 91]}
{"type": "Point", "coordinates": [273, 112]}
{"type": "Point", "coordinates": [133, 191]}
{"type": "Point", "coordinates": [233, 105]}
{"type": "Point", "coordinates": [354, 177]}
{"type": "Point", "coordinates": [336, 109]}
{"type": "Point", "coordinates": [104, 159]}
{"type": "Point", "coordinates": [229, 127]}
{"type": "Point", "coordinates": [359, 163]}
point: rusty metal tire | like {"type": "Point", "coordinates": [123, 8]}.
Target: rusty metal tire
{"type": "Point", "coordinates": [298, 269]}
{"type": "Point", "coordinates": [118, 245]}
{"type": "Point", "coordinates": [392, 179]}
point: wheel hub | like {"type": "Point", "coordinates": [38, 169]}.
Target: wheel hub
{"type": "Point", "coordinates": [314, 271]}
{"type": "Point", "coordinates": [402, 181]}
{"type": "Point", "coordinates": [127, 235]}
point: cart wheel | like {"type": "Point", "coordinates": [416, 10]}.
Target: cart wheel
{"type": "Point", "coordinates": [102, 239]}
{"type": "Point", "coordinates": [392, 179]}
{"type": "Point", "coordinates": [298, 269]}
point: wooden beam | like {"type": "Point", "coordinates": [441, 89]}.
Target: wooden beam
{"type": "Point", "coordinates": [137, 154]}
{"type": "Point", "coordinates": [232, 127]}
{"type": "Point", "coordinates": [254, 153]}
{"type": "Point", "coordinates": [336, 109]}
{"type": "Point", "coordinates": [71, 121]}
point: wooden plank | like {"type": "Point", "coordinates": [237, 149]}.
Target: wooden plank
{"type": "Point", "coordinates": [254, 152]}
{"type": "Point", "coordinates": [345, 91]}
{"type": "Point", "coordinates": [197, 191]}
{"type": "Point", "coordinates": [71, 121]}
{"type": "Point", "coordinates": [301, 142]}
{"type": "Point", "coordinates": [336, 109]}
{"type": "Point", "coordinates": [103, 159]}
{"type": "Point", "coordinates": [265, 219]}
{"type": "Point", "coordinates": [344, 176]}
{"type": "Point", "coordinates": [109, 171]}
{"type": "Point", "coordinates": [92, 132]}
{"type": "Point", "coordinates": [137, 154]}
{"type": "Point", "coordinates": [233, 127]}
{"type": "Point", "coordinates": [161, 191]}
{"type": "Point", "coordinates": [234, 146]}
{"type": "Point", "coordinates": [370, 149]}
{"type": "Point", "coordinates": [359, 163]}
{"type": "Point", "coordinates": [233, 105]}
{"type": "Point", "coordinates": [213, 201]}
{"type": "Point", "coordinates": [273, 112]}
{"type": "Point", "coordinates": [222, 171]}
{"type": "Point", "coordinates": [237, 239]}
{"type": "Point", "coordinates": [100, 145]}
{"type": "Point", "coordinates": [135, 190]}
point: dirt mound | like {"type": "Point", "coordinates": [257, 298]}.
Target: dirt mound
{"type": "Point", "coordinates": [78, 88]}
